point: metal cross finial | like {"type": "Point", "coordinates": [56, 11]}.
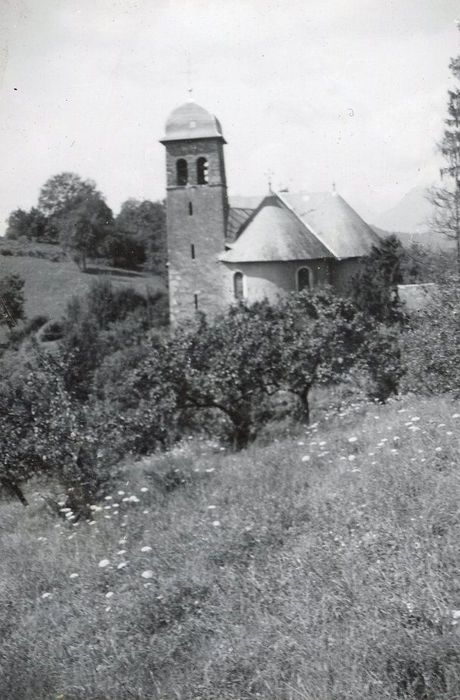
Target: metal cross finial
{"type": "Point", "coordinates": [189, 77]}
{"type": "Point", "coordinates": [269, 175]}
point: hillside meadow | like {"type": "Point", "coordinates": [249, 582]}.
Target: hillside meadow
{"type": "Point", "coordinates": [49, 285]}
{"type": "Point", "coordinates": [323, 566]}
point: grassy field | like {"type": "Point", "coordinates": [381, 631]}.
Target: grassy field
{"type": "Point", "coordinates": [323, 567]}
{"type": "Point", "coordinates": [50, 285]}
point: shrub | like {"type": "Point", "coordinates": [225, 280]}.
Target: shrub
{"type": "Point", "coordinates": [11, 300]}
{"type": "Point", "coordinates": [18, 335]}
{"type": "Point", "coordinates": [375, 288]}
{"type": "Point", "coordinates": [431, 344]}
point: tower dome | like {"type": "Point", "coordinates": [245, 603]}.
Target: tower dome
{"type": "Point", "coordinates": [190, 121]}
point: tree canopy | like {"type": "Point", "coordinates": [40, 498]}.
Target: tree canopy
{"type": "Point", "coordinates": [375, 287]}
{"type": "Point", "coordinates": [140, 235]}
{"type": "Point", "coordinates": [446, 199]}
{"type": "Point", "coordinates": [79, 214]}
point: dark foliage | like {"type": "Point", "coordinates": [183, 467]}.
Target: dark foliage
{"type": "Point", "coordinates": [375, 287]}
{"type": "Point", "coordinates": [11, 300]}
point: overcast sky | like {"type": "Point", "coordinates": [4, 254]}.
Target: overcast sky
{"type": "Point", "coordinates": [346, 91]}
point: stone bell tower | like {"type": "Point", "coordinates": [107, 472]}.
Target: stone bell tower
{"type": "Point", "coordinates": [197, 209]}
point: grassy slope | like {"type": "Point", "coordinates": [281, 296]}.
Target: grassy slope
{"type": "Point", "coordinates": [50, 285]}
{"type": "Point", "coordinates": [320, 568]}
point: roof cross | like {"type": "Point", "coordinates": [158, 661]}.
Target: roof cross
{"type": "Point", "coordinates": [269, 174]}
{"type": "Point", "coordinates": [189, 77]}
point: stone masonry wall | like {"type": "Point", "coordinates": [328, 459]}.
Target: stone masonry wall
{"type": "Point", "coordinates": [196, 216]}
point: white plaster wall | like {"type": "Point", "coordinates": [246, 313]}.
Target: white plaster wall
{"type": "Point", "coordinates": [269, 280]}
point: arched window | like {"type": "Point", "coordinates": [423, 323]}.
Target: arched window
{"type": "Point", "coordinates": [238, 286]}
{"type": "Point", "coordinates": [304, 279]}
{"type": "Point", "coordinates": [181, 172]}
{"type": "Point", "coordinates": [202, 171]}
{"type": "Point", "coordinates": [190, 209]}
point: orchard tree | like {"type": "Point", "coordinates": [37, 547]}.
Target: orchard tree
{"type": "Point", "coordinates": [321, 337]}
{"type": "Point", "coordinates": [446, 200]}
{"type": "Point", "coordinates": [47, 432]}
{"type": "Point", "coordinates": [236, 362]}
{"type": "Point", "coordinates": [228, 364]}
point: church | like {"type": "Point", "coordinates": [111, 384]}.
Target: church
{"type": "Point", "coordinates": [223, 250]}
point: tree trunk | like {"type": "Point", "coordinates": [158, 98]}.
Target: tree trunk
{"type": "Point", "coordinates": [305, 406]}
{"type": "Point", "coordinates": [13, 488]}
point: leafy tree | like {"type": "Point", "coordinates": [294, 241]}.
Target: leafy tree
{"type": "Point", "coordinates": [11, 300]}
{"type": "Point", "coordinates": [79, 214]}
{"type": "Point", "coordinates": [421, 264]}
{"type": "Point", "coordinates": [102, 322]}
{"type": "Point", "coordinates": [382, 358]}
{"type": "Point", "coordinates": [446, 200]}
{"type": "Point", "coordinates": [322, 337]}
{"type": "Point", "coordinates": [224, 365]}
{"type": "Point", "coordinates": [46, 431]}
{"type": "Point", "coordinates": [60, 192]}
{"type": "Point", "coordinates": [375, 288]}
{"type": "Point", "coordinates": [125, 251]}
{"type": "Point", "coordinates": [235, 363]}
{"type": "Point", "coordinates": [84, 227]}
{"type": "Point", "coordinates": [27, 224]}
{"type": "Point", "coordinates": [431, 344]}
{"type": "Point", "coordinates": [141, 225]}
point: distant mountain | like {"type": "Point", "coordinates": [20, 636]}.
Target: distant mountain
{"type": "Point", "coordinates": [410, 214]}
{"type": "Point", "coordinates": [426, 239]}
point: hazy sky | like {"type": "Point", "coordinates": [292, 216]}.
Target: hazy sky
{"type": "Point", "coordinates": [346, 91]}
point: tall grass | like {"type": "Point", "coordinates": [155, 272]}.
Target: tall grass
{"type": "Point", "coordinates": [320, 567]}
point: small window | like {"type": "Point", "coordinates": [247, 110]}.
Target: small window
{"type": "Point", "coordinates": [190, 209]}
{"type": "Point", "coordinates": [195, 301]}
{"type": "Point", "coordinates": [181, 172]}
{"type": "Point", "coordinates": [202, 171]}
{"type": "Point", "coordinates": [303, 278]}
{"type": "Point", "coordinates": [238, 286]}
{"type": "Point", "coordinates": [192, 251]}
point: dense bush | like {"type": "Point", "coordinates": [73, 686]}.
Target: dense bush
{"type": "Point", "coordinates": [28, 328]}
{"type": "Point", "coordinates": [11, 300]}
{"type": "Point", "coordinates": [374, 289]}
{"type": "Point", "coordinates": [431, 344]}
